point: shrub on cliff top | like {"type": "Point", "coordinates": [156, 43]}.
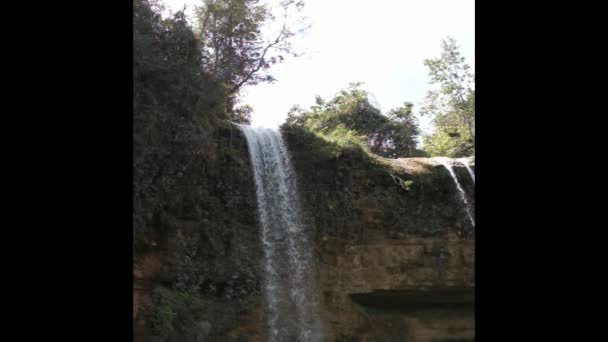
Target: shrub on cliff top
{"type": "Point", "coordinates": [350, 117]}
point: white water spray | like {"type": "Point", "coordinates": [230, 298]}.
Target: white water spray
{"type": "Point", "coordinates": [290, 281]}
{"type": "Point", "coordinates": [447, 163]}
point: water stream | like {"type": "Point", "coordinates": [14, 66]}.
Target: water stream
{"type": "Point", "coordinates": [448, 163]}
{"type": "Point", "coordinates": [290, 285]}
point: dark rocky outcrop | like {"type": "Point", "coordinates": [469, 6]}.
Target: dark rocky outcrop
{"type": "Point", "coordinates": [196, 264]}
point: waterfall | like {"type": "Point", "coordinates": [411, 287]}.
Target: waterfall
{"type": "Point", "coordinates": [447, 163]}
{"type": "Point", "coordinates": [465, 162]}
{"type": "Point", "coordinates": [289, 270]}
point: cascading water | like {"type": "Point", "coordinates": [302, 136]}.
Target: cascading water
{"type": "Point", "coordinates": [465, 162]}
{"type": "Point", "coordinates": [290, 282]}
{"type": "Point", "coordinates": [447, 163]}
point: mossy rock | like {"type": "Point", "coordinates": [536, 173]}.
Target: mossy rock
{"type": "Point", "coordinates": [353, 190]}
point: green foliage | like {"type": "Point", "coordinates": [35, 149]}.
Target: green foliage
{"type": "Point", "coordinates": [241, 115]}
{"type": "Point", "coordinates": [230, 32]}
{"type": "Point", "coordinates": [440, 144]}
{"type": "Point", "coordinates": [350, 118]}
{"type": "Point", "coordinates": [167, 69]}
{"type": "Point", "coordinates": [402, 130]}
{"type": "Point", "coordinates": [176, 106]}
{"type": "Point", "coordinates": [405, 184]}
{"type": "Point", "coordinates": [233, 47]}
{"type": "Point", "coordinates": [452, 105]}
{"type": "Point", "coordinates": [337, 140]}
{"type": "Point", "coordinates": [355, 190]}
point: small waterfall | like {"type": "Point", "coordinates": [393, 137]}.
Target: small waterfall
{"type": "Point", "coordinates": [447, 163]}
{"type": "Point", "coordinates": [290, 282]}
{"type": "Point", "coordinates": [465, 162]}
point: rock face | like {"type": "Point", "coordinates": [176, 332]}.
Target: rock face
{"type": "Point", "coordinates": [394, 248]}
{"type": "Point", "coordinates": [196, 243]}
{"type": "Point", "coordinates": [411, 289]}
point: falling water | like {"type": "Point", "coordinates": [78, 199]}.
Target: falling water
{"type": "Point", "coordinates": [447, 162]}
{"type": "Point", "coordinates": [290, 284]}
{"type": "Point", "coordinates": [465, 162]}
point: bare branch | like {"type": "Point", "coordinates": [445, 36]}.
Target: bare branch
{"type": "Point", "coordinates": [261, 61]}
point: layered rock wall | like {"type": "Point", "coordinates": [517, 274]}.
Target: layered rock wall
{"type": "Point", "coordinates": [394, 249]}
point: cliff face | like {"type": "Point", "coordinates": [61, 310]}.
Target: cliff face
{"type": "Point", "coordinates": [394, 249]}
{"type": "Point", "coordinates": [196, 242]}
{"type": "Point", "coordinates": [407, 289]}
{"type": "Point", "coordinates": [362, 198]}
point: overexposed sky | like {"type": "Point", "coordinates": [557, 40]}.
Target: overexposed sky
{"type": "Point", "coordinates": [382, 43]}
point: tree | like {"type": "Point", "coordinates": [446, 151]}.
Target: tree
{"type": "Point", "coordinates": [351, 113]}
{"type": "Point", "coordinates": [403, 129]}
{"type": "Point", "coordinates": [176, 108]}
{"type": "Point", "coordinates": [452, 105]}
{"type": "Point", "coordinates": [233, 46]}
{"type": "Point", "coordinates": [440, 144]}
{"type": "Point", "coordinates": [241, 114]}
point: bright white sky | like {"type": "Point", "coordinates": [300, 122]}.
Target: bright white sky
{"type": "Point", "coordinates": [382, 43]}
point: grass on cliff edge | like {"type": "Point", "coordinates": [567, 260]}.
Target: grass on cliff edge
{"type": "Point", "coordinates": [343, 144]}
